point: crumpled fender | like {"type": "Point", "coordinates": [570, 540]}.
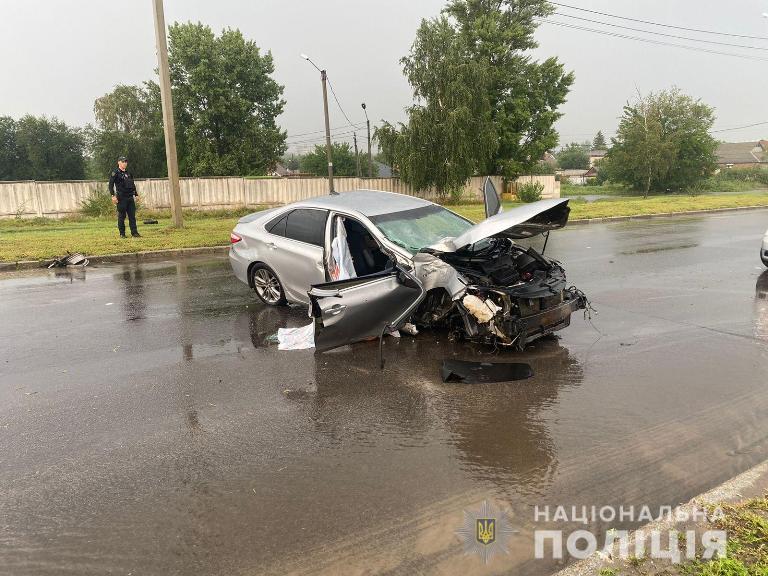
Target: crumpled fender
{"type": "Point", "coordinates": [434, 273]}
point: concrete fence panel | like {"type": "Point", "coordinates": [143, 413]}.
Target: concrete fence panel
{"type": "Point", "coordinates": [56, 199]}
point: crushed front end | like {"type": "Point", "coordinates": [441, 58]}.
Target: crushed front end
{"type": "Point", "coordinates": [511, 295]}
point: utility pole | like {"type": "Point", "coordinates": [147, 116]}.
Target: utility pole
{"type": "Point", "coordinates": [328, 149]}
{"type": "Point", "coordinates": [168, 124]}
{"type": "Point", "coordinates": [370, 161]}
{"type": "Point", "coordinates": [357, 156]}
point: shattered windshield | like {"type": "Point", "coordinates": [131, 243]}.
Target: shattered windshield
{"type": "Point", "coordinates": [421, 227]}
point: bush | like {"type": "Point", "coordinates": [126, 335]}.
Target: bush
{"type": "Point", "coordinates": [98, 203]}
{"type": "Point", "coordinates": [530, 191]}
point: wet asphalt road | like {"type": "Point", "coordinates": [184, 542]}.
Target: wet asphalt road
{"type": "Point", "coordinates": [148, 427]}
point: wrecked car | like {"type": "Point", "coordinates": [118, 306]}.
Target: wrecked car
{"type": "Point", "coordinates": [366, 262]}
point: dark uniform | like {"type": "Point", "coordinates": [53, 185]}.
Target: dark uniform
{"type": "Point", "coordinates": [121, 184]}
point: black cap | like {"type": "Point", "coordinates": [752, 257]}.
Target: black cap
{"type": "Point", "coordinates": [122, 159]}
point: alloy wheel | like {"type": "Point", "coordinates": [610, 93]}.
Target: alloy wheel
{"type": "Point", "coordinates": [267, 286]}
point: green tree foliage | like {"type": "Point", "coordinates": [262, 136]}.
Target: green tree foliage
{"type": "Point", "coordinates": [129, 123]}
{"type": "Point", "coordinates": [40, 148]}
{"type": "Point", "coordinates": [573, 156]}
{"type": "Point", "coordinates": [524, 94]}
{"type": "Point", "coordinates": [599, 142]}
{"type": "Point", "coordinates": [482, 103]}
{"type": "Point", "coordinates": [663, 143]}
{"type": "Point", "coordinates": [226, 102]}
{"type": "Point", "coordinates": [10, 162]}
{"type": "Point", "coordinates": [292, 161]}
{"type": "Point", "coordinates": [344, 164]}
{"type": "Point", "coordinates": [450, 133]}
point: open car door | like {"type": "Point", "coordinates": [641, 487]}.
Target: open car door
{"type": "Point", "coordinates": [491, 198]}
{"type": "Point", "coordinates": [348, 311]}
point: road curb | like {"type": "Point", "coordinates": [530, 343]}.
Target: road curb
{"type": "Point", "coordinates": [135, 257]}
{"type": "Point", "coordinates": [123, 257]}
{"type": "Point", "coordinates": [731, 491]}
{"type": "Point", "coordinates": [664, 215]}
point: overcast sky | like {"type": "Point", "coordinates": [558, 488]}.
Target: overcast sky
{"type": "Point", "coordinates": [59, 56]}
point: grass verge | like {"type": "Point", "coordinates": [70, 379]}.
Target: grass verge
{"type": "Point", "coordinates": [746, 526]}
{"type": "Point", "coordinates": [637, 205]}
{"type": "Point", "coordinates": [43, 238]}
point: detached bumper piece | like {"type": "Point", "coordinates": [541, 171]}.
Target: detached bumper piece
{"type": "Point", "coordinates": [484, 372]}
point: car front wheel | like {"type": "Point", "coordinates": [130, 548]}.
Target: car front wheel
{"type": "Point", "coordinates": [267, 285]}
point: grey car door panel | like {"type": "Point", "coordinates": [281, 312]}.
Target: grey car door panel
{"type": "Point", "coordinates": [351, 310]}
{"type": "Point", "coordinates": [297, 265]}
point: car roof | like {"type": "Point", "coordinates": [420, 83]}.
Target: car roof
{"type": "Point", "coordinates": [367, 202]}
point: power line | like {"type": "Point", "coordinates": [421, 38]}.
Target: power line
{"type": "Point", "coordinates": [318, 138]}
{"type": "Point", "coordinates": [738, 127]}
{"type": "Point", "coordinates": [322, 138]}
{"type": "Point", "coordinates": [322, 130]}
{"type": "Point", "coordinates": [339, 103]}
{"type": "Point", "coordinates": [659, 23]}
{"type": "Point", "coordinates": [662, 33]}
{"type": "Point", "coordinates": [657, 42]}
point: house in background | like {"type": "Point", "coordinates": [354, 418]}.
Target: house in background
{"type": "Point", "coordinates": [595, 156]}
{"type": "Point", "coordinates": [280, 170]}
{"type": "Point", "coordinates": [742, 154]}
{"type": "Point", "coordinates": [577, 176]}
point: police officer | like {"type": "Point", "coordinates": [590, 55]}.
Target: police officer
{"type": "Point", "coordinates": [123, 191]}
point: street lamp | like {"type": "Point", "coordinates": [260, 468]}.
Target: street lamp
{"type": "Point", "coordinates": [368, 124]}
{"type": "Point", "coordinates": [328, 152]}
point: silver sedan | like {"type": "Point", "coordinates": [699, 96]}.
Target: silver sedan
{"type": "Point", "coordinates": [369, 261]}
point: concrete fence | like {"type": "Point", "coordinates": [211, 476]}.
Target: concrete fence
{"type": "Point", "coordinates": [56, 199]}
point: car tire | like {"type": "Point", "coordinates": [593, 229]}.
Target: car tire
{"type": "Point", "coordinates": [267, 285]}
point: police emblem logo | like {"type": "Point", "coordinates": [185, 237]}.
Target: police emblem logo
{"type": "Point", "coordinates": [485, 531]}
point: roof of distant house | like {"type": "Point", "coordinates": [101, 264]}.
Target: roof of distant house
{"type": "Point", "coordinates": [741, 152]}
{"type": "Point", "coordinates": [598, 153]}
{"type": "Point", "coordinates": [281, 170]}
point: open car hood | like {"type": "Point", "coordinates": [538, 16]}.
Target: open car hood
{"type": "Point", "coordinates": [517, 223]}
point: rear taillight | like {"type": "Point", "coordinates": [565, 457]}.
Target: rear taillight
{"type": "Point", "coordinates": [234, 238]}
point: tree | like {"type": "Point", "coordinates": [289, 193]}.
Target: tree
{"type": "Point", "coordinates": [482, 104]}
{"type": "Point", "coordinates": [524, 94]}
{"type": "Point", "coordinates": [663, 142]}
{"type": "Point", "coordinates": [226, 102]}
{"type": "Point", "coordinates": [344, 163]}
{"type": "Point", "coordinates": [599, 142]}
{"type": "Point", "coordinates": [450, 134]}
{"type": "Point", "coordinates": [292, 161]}
{"type": "Point", "coordinates": [10, 162]}
{"type": "Point", "coordinates": [129, 123]}
{"type": "Point", "coordinates": [40, 148]}
{"type": "Point", "coordinates": [573, 156]}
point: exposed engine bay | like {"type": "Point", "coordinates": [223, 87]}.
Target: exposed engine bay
{"type": "Point", "coordinates": [512, 295]}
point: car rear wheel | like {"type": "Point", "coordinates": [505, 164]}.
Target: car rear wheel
{"type": "Point", "coordinates": [267, 285]}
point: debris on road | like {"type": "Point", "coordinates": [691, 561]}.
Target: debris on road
{"type": "Point", "coordinates": [300, 338]}
{"type": "Point", "coordinates": [70, 259]}
{"type": "Point", "coordinates": [484, 372]}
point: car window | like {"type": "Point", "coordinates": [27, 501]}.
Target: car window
{"type": "Point", "coordinates": [277, 226]}
{"type": "Point", "coordinates": [307, 226]}
{"type": "Point", "coordinates": [414, 229]}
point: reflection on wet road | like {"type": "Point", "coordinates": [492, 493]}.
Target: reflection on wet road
{"type": "Point", "coordinates": [148, 426]}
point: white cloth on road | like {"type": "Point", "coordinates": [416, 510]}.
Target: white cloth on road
{"type": "Point", "coordinates": [296, 338]}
